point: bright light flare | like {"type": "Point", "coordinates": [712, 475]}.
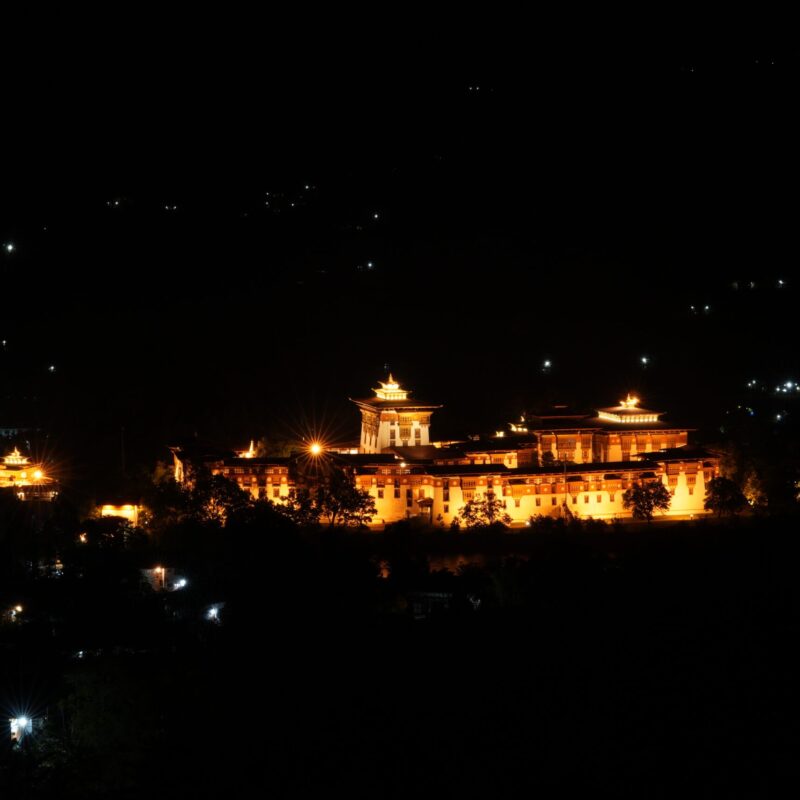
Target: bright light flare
{"type": "Point", "coordinates": [315, 449]}
{"type": "Point", "coordinates": [19, 727]}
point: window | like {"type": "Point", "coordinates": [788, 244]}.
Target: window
{"type": "Point", "coordinates": [516, 503]}
{"type": "Point", "coordinates": [599, 498]}
{"type": "Point", "coordinates": [538, 501]}
{"type": "Point", "coordinates": [417, 433]}
{"type": "Point", "coordinates": [586, 498]}
{"type": "Point", "coordinates": [380, 494]}
{"type": "Point", "coordinates": [691, 490]}
{"type": "Point", "coordinates": [397, 491]}
{"type": "Point", "coordinates": [409, 498]}
{"type": "Point", "coordinates": [553, 501]}
{"type": "Point", "coordinates": [611, 497]}
{"type": "Point", "coordinates": [276, 492]}
{"type": "Point", "coordinates": [446, 508]}
{"type": "Point", "coordinates": [574, 499]}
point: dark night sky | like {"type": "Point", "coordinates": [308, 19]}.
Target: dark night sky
{"type": "Point", "coordinates": [573, 208]}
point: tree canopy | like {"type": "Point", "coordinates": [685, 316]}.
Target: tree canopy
{"type": "Point", "coordinates": [339, 501]}
{"type": "Point", "coordinates": [483, 511]}
{"type": "Point", "coordinates": [646, 498]}
{"type": "Point", "coordinates": [724, 497]}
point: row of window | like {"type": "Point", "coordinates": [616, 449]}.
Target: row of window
{"type": "Point", "coordinates": [255, 471]}
{"type": "Point", "coordinates": [409, 494]}
{"type": "Point", "coordinates": [405, 433]}
{"type": "Point", "coordinates": [517, 501]}
{"type": "Point", "coordinates": [262, 493]}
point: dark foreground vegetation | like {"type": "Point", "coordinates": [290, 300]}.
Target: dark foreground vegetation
{"type": "Point", "coordinates": [648, 658]}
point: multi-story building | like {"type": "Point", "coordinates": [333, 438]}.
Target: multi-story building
{"type": "Point", "coordinates": [611, 434]}
{"type": "Point", "coordinates": [263, 478]}
{"type": "Point", "coordinates": [546, 464]}
{"type": "Point", "coordinates": [391, 419]}
{"type": "Point", "coordinates": [592, 490]}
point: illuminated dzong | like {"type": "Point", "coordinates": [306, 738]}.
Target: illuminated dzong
{"type": "Point", "coordinates": [554, 462]}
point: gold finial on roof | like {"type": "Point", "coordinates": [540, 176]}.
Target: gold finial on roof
{"type": "Point", "coordinates": [390, 390]}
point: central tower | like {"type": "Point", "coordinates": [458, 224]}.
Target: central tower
{"type": "Point", "coordinates": [390, 419]}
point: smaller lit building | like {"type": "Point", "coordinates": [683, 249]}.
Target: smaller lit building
{"type": "Point", "coordinates": [262, 477]}
{"type": "Point", "coordinates": [29, 481]}
{"type": "Point", "coordinates": [128, 511]}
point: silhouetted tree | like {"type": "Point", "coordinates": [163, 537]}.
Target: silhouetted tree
{"type": "Point", "coordinates": [215, 498]}
{"type": "Point", "coordinates": [275, 445]}
{"type": "Point", "coordinates": [646, 498]}
{"type": "Point", "coordinates": [203, 498]}
{"type": "Point", "coordinates": [300, 507]}
{"type": "Point", "coordinates": [724, 497]}
{"type": "Point", "coordinates": [341, 502]}
{"type": "Point", "coordinates": [482, 511]}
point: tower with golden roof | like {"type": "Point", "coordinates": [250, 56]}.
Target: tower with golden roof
{"type": "Point", "coordinates": [392, 419]}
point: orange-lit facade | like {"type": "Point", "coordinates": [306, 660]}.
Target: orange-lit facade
{"type": "Point", "coordinates": [542, 465]}
{"type": "Point", "coordinates": [591, 490]}
{"type": "Point", "coordinates": [262, 478]}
